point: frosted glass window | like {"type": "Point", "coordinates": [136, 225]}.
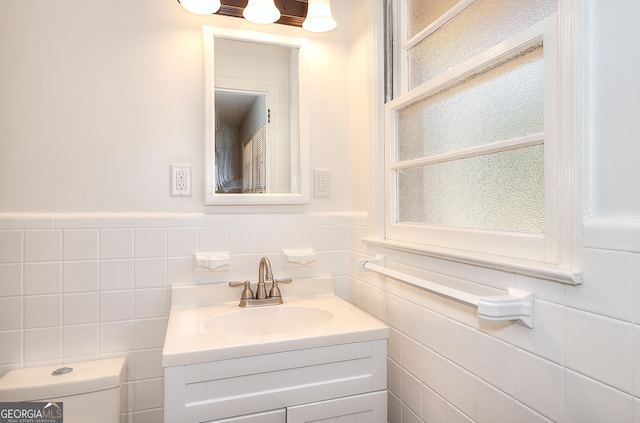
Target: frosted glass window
{"type": "Point", "coordinates": [476, 168]}
{"type": "Point", "coordinates": [502, 103]}
{"type": "Point", "coordinates": [479, 27]}
{"type": "Point", "coordinates": [502, 191]}
{"type": "Point", "coordinates": [422, 13]}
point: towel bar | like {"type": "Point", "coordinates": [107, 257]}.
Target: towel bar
{"type": "Point", "coordinates": [517, 305]}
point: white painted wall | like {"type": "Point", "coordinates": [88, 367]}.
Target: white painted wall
{"type": "Point", "coordinates": [99, 98]}
{"type": "Point", "coordinates": [615, 89]}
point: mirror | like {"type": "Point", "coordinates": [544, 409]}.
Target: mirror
{"type": "Point", "coordinates": [256, 139]}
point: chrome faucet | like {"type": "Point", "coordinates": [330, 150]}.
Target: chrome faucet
{"type": "Point", "coordinates": [264, 266]}
{"type": "Point", "coordinates": [261, 299]}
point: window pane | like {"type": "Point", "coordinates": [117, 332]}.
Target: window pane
{"type": "Point", "coordinates": [503, 103]}
{"type": "Point", "coordinates": [421, 13]}
{"type": "Point", "coordinates": [479, 27]}
{"type": "Point", "coordinates": [502, 191]}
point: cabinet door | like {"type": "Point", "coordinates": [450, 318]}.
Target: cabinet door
{"type": "Point", "coordinates": [277, 416]}
{"type": "Point", "coordinates": [367, 408]}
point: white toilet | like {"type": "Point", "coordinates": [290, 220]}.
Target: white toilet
{"type": "Point", "coordinates": [93, 391]}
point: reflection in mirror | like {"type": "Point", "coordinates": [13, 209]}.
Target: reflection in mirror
{"type": "Point", "coordinates": [256, 145]}
{"type": "Point", "coordinates": [241, 142]}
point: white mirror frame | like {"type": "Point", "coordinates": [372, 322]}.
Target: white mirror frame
{"type": "Point", "coordinates": [211, 198]}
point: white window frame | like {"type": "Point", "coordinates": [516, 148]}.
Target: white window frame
{"type": "Point", "coordinates": [554, 255]}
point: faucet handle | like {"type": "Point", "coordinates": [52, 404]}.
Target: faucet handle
{"type": "Point", "coordinates": [274, 292]}
{"type": "Point", "coordinates": [247, 293]}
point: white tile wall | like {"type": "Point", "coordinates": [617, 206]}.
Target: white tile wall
{"type": "Point", "coordinates": [11, 283]}
{"type": "Point", "coordinates": [636, 363]}
{"type": "Point", "coordinates": [495, 362]}
{"type": "Point", "coordinates": [116, 306]}
{"type": "Point", "coordinates": [11, 313]}
{"type": "Point", "coordinates": [636, 283]}
{"type": "Point", "coordinates": [456, 416]}
{"type": "Point", "coordinates": [42, 278]}
{"type": "Point", "coordinates": [580, 363]}
{"type": "Point", "coordinates": [80, 244]}
{"type": "Point", "coordinates": [116, 243]}
{"type": "Point", "coordinates": [493, 405]}
{"type": "Point", "coordinates": [42, 245]}
{"type": "Point", "coordinates": [42, 345]}
{"type": "Point", "coordinates": [80, 309]}
{"type": "Point", "coordinates": [150, 273]}
{"type": "Point", "coordinates": [42, 311]}
{"type": "Point", "coordinates": [150, 242]}
{"type": "Point", "coordinates": [613, 294]}
{"type": "Point", "coordinates": [461, 345]}
{"type": "Point", "coordinates": [609, 344]}
{"type": "Point", "coordinates": [411, 356]}
{"type": "Point", "coordinates": [11, 246]}
{"type": "Point", "coordinates": [89, 286]}
{"type": "Point", "coordinates": [523, 414]}
{"type": "Point", "coordinates": [547, 340]}
{"type": "Point", "coordinates": [412, 392]}
{"type": "Point", "coordinates": [80, 342]}
{"type": "Point", "coordinates": [434, 406]}
{"type": "Point", "coordinates": [80, 276]}
{"type": "Point", "coordinates": [11, 355]}
{"type": "Point", "coordinates": [116, 274]}
{"type": "Point", "coordinates": [461, 389]}
{"type": "Point", "coordinates": [588, 400]}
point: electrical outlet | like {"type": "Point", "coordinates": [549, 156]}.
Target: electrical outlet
{"type": "Point", "coordinates": [181, 180]}
{"type": "Point", "coordinates": [322, 183]}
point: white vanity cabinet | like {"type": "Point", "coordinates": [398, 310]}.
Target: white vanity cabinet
{"type": "Point", "coordinates": [367, 408]}
{"type": "Point", "coordinates": [314, 384]}
{"type": "Point", "coordinates": [359, 408]}
{"type": "Point", "coordinates": [277, 416]}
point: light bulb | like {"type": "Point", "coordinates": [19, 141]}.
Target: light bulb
{"type": "Point", "coordinates": [319, 18]}
{"type": "Point", "coordinates": [201, 7]}
{"type": "Point", "coordinates": [261, 12]}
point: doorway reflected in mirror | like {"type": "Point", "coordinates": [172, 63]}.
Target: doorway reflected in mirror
{"type": "Point", "coordinates": [241, 142]}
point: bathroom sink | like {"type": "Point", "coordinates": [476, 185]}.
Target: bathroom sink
{"type": "Point", "coordinates": [221, 331]}
{"type": "Point", "coordinates": [269, 320]}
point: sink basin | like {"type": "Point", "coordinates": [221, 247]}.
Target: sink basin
{"type": "Point", "coordinates": [268, 320]}
{"type": "Point", "coordinates": [222, 331]}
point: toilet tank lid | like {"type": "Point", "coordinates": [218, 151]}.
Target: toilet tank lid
{"type": "Point", "coordinates": [37, 383]}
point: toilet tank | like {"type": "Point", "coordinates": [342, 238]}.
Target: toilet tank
{"type": "Point", "coordinates": [92, 391]}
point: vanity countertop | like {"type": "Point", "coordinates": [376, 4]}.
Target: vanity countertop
{"type": "Point", "coordinates": [193, 337]}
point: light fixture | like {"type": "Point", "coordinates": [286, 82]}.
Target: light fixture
{"type": "Point", "coordinates": [261, 12]}
{"type": "Point", "coordinates": [319, 18]}
{"type": "Point", "coordinates": [318, 12]}
{"type": "Point", "coordinates": [201, 7]}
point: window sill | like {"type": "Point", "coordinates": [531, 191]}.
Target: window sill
{"type": "Point", "coordinates": [520, 267]}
